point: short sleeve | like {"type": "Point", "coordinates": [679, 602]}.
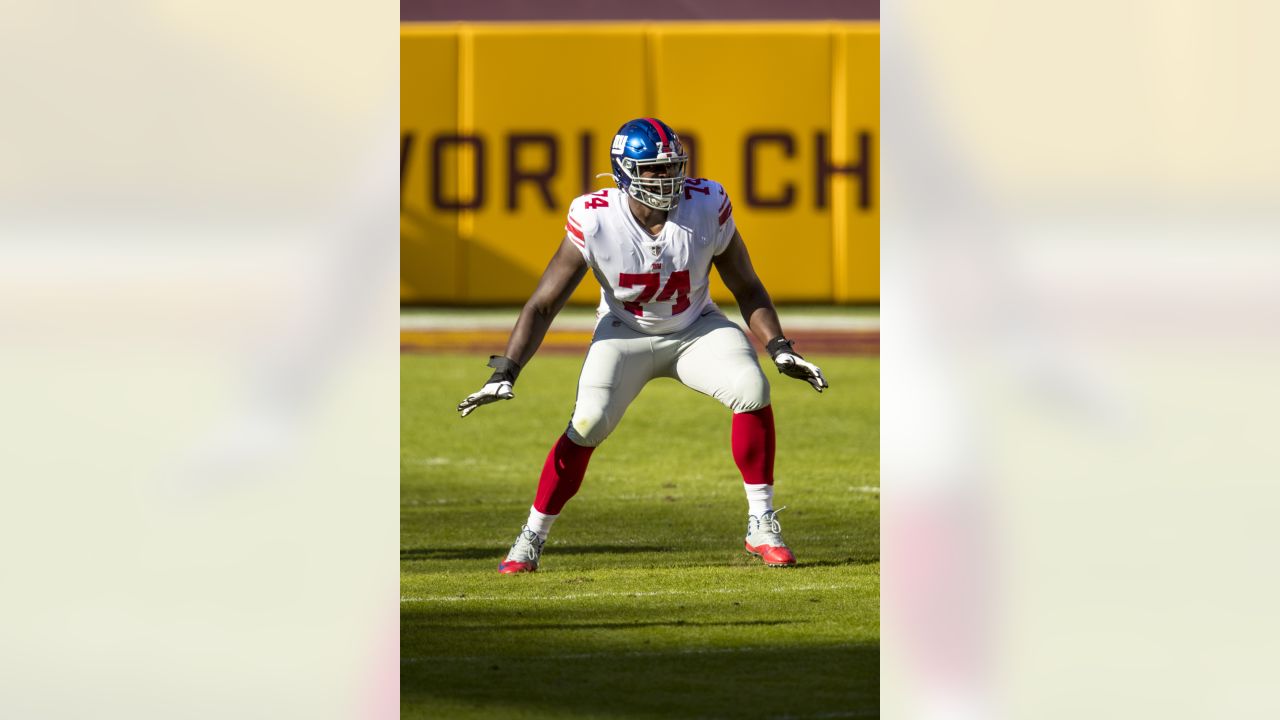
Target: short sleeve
{"type": "Point", "coordinates": [725, 226]}
{"type": "Point", "coordinates": [576, 227]}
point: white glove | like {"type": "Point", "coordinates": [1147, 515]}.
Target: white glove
{"type": "Point", "coordinates": [797, 367]}
{"type": "Point", "coordinates": [491, 392]}
{"type": "Point", "coordinates": [497, 388]}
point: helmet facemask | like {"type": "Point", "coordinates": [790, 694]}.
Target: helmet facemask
{"type": "Point", "coordinates": [659, 193]}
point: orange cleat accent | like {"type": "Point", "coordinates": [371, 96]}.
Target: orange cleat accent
{"type": "Point", "coordinates": [772, 556]}
{"type": "Point", "coordinates": [507, 567]}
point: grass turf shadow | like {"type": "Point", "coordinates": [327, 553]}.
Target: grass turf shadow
{"type": "Point", "coordinates": [837, 681]}
{"type": "Point", "coordinates": [835, 563]}
{"type": "Point", "coordinates": [489, 627]}
{"type": "Point", "coordinates": [483, 553]}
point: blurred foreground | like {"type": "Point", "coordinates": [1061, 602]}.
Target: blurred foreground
{"type": "Point", "coordinates": [1080, 306]}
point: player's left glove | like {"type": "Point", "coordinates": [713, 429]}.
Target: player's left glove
{"type": "Point", "coordinates": [791, 364]}
{"type": "Point", "coordinates": [499, 386]}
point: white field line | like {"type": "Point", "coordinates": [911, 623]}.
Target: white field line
{"type": "Point", "coordinates": [584, 656]}
{"type": "Point", "coordinates": [655, 593]}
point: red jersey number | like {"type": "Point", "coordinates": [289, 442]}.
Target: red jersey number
{"type": "Point", "coordinates": [675, 292]}
{"type": "Point", "coordinates": [597, 200]}
{"type": "Point", "coordinates": [693, 185]}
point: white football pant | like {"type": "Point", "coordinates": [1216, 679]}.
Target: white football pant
{"type": "Point", "coordinates": [711, 356]}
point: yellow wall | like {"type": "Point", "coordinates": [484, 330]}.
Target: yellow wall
{"type": "Point", "coordinates": [431, 253]}
{"type": "Point", "coordinates": [525, 92]}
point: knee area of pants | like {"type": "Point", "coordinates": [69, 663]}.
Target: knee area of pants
{"type": "Point", "coordinates": [589, 428]}
{"type": "Point", "coordinates": [749, 392]}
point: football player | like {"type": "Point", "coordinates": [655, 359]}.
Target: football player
{"type": "Point", "coordinates": [651, 242]}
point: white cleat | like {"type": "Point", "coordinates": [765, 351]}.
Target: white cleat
{"type": "Point", "coordinates": [525, 553]}
{"type": "Point", "coordinates": [764, 539]}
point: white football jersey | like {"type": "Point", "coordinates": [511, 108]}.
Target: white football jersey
{"type": "Point", "coordinates": [656, 285]}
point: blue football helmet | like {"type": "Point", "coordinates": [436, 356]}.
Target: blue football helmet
{"type": "Point", "coordinates": [649, 144]}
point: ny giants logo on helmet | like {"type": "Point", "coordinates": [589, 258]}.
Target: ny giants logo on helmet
{"type": "Point", "coordinates": [649, 162]}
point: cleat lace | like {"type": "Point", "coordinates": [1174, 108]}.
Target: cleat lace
{"type": "Point", "coordinates": [766, 528]}
{"type": "Point", "coordinates": [526, 548]}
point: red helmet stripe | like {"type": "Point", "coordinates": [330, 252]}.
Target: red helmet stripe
{"type": "Point", "coordinates": [662, 134]}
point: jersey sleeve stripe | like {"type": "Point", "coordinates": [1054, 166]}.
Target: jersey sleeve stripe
{"type": "Point", "coordinates": [574, 223]}
{"type": "Point", "coordinates": [724, 202]}
{"type": "Point", "coordinates": [724, 214]}
{"type": "Point", "coordinates": [573, 231]}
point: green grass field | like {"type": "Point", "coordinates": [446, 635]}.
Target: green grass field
{"type": "Point", "coordinates": [646, 605]}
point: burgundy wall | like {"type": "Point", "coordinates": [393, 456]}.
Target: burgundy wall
{"type": "Point", "coordinates": [639, 10]}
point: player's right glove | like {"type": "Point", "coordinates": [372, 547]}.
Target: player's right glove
{"type": "Point", "coordinates": [497, 388]}
{"type": "Point", "coordinates": [791, 364]}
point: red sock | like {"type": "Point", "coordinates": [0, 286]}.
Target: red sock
{"type": "Point", "coordinates": [753, 445]}
{"type": "Point", "coordinates": [561, 475]}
